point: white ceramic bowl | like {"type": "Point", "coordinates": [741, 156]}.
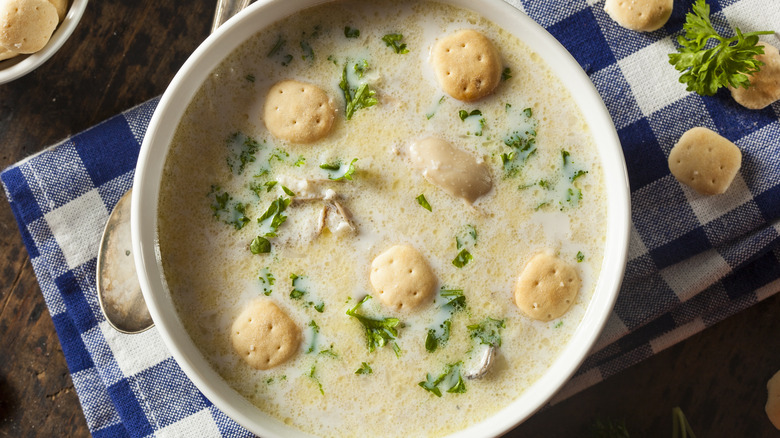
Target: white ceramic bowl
{"type": "Point", "coordinates": [20, 65]}
{"type": "Point", "coordinates": [230, 36]}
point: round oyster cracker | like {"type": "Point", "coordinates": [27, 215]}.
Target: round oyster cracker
{"type": "Point", "coordinates": [264, 336]}
{"type": "Point", "coordinates": [467, 65]}
{"type": "Point", "coordinates": [298, 112]}
{"type": "Point", "coordinates": [547, 287]}
{"type": "Point", "coordinates": [402, 278]}
{"type": "Point", "coordinates": [27, 24]}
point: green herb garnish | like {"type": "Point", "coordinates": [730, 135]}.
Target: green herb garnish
{"type": "Point", "coordinates": [473, 115]}
{"type": "Point", "coordinates": [580, 256]}
{"type": "Point", "coordinates": [226, 210]}
{"type": "Point", "coordinates": [308, 52]}
{"type": "Point", "coordinates": [312, 376]}
{"type": "Point", "coordinates": [260, 245]}
{"type": "Point", "coordinates": [488, 331]}
{"type": "Point", "coordinates": [297, 292]}
{"type": "Point", "coordinates": [394, 40]}
{"type": "Point", "coordinates": [274, 213]}
{"type": "Point", "coordinates": [351, 33]}
{"type": "Point", "coordinates": [506, 74]}
{"type": "Point", "coordinates": [467, 238]}
{"type": "Point", "coordinates": [378, 331]}
{"type": "Point", "coordinates": [288, 191]}
{"type": "Point", "coordinates": [705, 67]}
{"type": "Point", "coordinates": [522, 142]}
{"type": "Point", "coordinates": [450, 380]}
{"type": "Point", "coordinates": [267, 278]}
{"type": "Point", "coordinates": [455, 301]}
{"type": "Point", "coordinates": [355, 98]}
{"type": "Point", "coordinates": [361, 68]}
{"type": "Point", "coordinates": [241, 151]}
{"type": "Point", "coordinates": [462, 259]}
{"type": "Point", "coordinates": [338, 171]}
{"type": "Point", "coordinates": [277, 47]}
{"type": "Point", "coordinates": [315, 331]}
{"type": "Point", "coordinates": [250, 77]}
{"type": "Point", "coordinates": [423, 202]}
{"type": "Point", "coordinates": [364, 369]}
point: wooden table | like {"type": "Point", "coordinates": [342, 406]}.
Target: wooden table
{"type": "Point", "coordinates": [124, 53]}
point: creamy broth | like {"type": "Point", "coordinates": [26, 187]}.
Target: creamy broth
{"type": "Point", "coordinates": [212, 274]}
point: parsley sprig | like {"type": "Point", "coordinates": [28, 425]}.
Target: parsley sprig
{"type": "Point", "coordinates": [378, 331]}
{"type": "Point", "coordinates": [393, 40]}
{"type": "Point", "coordinates": [450, 379]}
{"type": "Point", "coordinates": [706, 68]}
{"type": "Point", "coordinates": [358, 97]}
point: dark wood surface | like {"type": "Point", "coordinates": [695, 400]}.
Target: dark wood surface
{"type": "Point", "coordinates": [124, 53]}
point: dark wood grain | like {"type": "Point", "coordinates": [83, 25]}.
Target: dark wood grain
{"type": "Point", "coordinates": [124, 53]}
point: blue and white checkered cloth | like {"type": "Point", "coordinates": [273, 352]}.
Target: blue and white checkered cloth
{"type": "Point", "coordinates": [693, 260]}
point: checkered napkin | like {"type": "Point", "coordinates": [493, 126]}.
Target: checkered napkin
{"type": "Point", "coordinates": [693, 260]}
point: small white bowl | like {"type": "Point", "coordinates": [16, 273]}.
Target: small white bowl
{"type": "Point", "coordinates": [20, 65]}
{"type": "Point", "coordinates": [172, 107]}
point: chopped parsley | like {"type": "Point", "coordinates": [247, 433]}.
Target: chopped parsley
{"type": "Point", "coordinates": [476, 119]}
{"type": "Point", "coordinates": [288, 191]}
{"type": "Point", "coordinates": [580, 256]}
{"type": "Point", "coordinates": [378, 331]}
{"type": "Point", "coordinates": [465, 240]}
{"type": "Point", "coordinates": [276, 52]}
{"type": "Point", "coordinates": [430, 115]}
{"type": "Point", "coordinates": [300, 161]}
{"type": "Point", "coordinates": [358, 97]}
{"type": "Point", "coordinates": [522, 143]}
{"type": "Point", "coordinates": [423, 202]}
{"type": "Point", "coordinates": [365, 368]}
{"type": "Point", "coordinates": [338, 171]}
{"type": "Point", "coordinates": [267, 278]}
{"type": "Point", "coordinates": [250, 77]}
{"type": "Point", "coordinates": [226, 210]}
{"type": "Point", "coordinates": [330, 352]}
{"type": "Point", "coordinates": [279, 155]}
{"type": "Point", "coordinates": [488, 331]}
{"type": "Point", "coordinates": [351, 33]}
{"type": "Point", "coordinates": [299, 291]}
{"type": "Point", "coordinates": [462, 259]}
{"type": "Point", "coordinates": [558, 324]}
{"type": "Point", "coordinates": [277, 47]}
{"type": "Point", "coordinates": [273, 217]}
{"type": "Point", "coordinates": [361, 67]}
{"type": "Point", "coordinates": [241, 151]}
{"type": "Point", "coordinates": [450, 380]}
{"type": "Point", "coordinates": [394, 40]}
{"type": "Point", "coordinates": [506, 74]}
{"type": "Point", "coordinates": [315, 331]}
{"type": "Point", "coordinates": [312, 376]}
{"type": "Point", "coordinates": [573, 194]}
{"type": "Point", "coordinates": [440, 334]}
{"type": "Point", "coordinates": [260, 245]}
{"type": "Point", "coordinates": [308, 52]}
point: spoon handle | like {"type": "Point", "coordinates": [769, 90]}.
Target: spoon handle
{"type": "Point", "coordinates": [225, 10]}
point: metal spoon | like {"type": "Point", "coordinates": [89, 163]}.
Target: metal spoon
{"type": "Point", "coordinates": [119, 292]}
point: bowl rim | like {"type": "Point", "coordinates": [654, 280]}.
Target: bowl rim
{"type": "Point", "coordinates": [258, 16]}
{"type": "Point", "coordinates": [18, 66]}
